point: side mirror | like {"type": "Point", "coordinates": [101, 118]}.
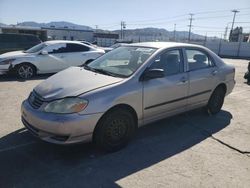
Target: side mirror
{"type": "Point", "coordinates": [44, 52]}
{"type": "Point", "coordinates": [152, 74]}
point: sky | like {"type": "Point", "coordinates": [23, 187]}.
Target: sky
{"type": "Point", "coordinates": [210, 16]}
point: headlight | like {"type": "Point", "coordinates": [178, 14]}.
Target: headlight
{"type": "Point", "coordinates": [66, 106]}
{"type": "Point", "coordinates": [6, 61]}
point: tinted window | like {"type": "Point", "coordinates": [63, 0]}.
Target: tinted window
{"type": "Point", "coordinates": [36, 48]}
{"type": "Point", "coordinates": [56, 48]}
{"type": "Point", "coordinates": [171, 62]}
{"type": "Point", "coordinates": [76, 48]}
{"type": "Point", "coordinates": [197, 60]}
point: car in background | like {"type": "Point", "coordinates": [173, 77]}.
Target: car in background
{"type": "Point", "coordinates": [48, 57]}
{"type": "Point", "coordinates": [133, 85]}
{"type": "Point", "coordinates": [106, 49]}
{"type": "Point", "coordinates": [14, 42]}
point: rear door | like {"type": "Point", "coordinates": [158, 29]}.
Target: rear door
{"type": "Point", "coordinates": [76, 54]}
{"type": "Point", "coordinates": [167, 94]}
{"type": "Point", "coordinates": [202, 76]}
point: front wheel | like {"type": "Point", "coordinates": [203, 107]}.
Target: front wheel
{"type": "Point", "coordinates": [114, 130]}
{"type": "Point", "coordinates": [216, 101]}
{"type": "Point", "coordinates": [25, 71]}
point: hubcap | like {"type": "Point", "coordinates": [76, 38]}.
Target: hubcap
{"type": "Point", "coordinates": [25, 71]}
{"type": "Point", "coordinates": [116, 130]}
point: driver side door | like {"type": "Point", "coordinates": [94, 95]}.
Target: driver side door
{"type": "Point", "coordinates": [55, 60]}
{"type": "Point", "coordinates": [166, 95]}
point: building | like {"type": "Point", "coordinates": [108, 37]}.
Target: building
{"type": "Point", "coordinates": [105, 39]}
{"type": "Point", "coordinates": [51, 33]}
{"type": "Point", "coordinates": [66, 33]}
{"type": "Point", "coordinates": [237, 35]}
{"type": "Point", "coordinates": [41, 33]}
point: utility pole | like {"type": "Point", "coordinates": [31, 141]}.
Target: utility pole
{"type": "Point", "coordinates": [174, 32]}
{"type": "Point", "coordinates": [235, 12]}
{"type": "Point", "coordinates": [190, 26]}
{"type": "Point", "coordinates": [121, 28]}
{"type": "Point", "coordinates": [96, 28]}
{"type": "Point", "coordinates": [225, 34]}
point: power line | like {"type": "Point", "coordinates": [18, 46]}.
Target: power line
{"type": "Point", "coordinates": [173, 19]}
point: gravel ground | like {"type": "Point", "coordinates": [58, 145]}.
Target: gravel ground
{"type": "Point", "coordinates": [188, 150]}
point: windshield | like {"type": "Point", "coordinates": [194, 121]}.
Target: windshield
{"type": "Point", "coordinates": [36, 48]}
{"type": "Point", "coordinates": [122, 61]}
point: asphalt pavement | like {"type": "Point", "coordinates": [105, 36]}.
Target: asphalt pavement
{"type": "Point", "coordinates": [187, 150]}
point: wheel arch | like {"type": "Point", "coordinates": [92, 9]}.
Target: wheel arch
{"type": "Point", "coordinates": [223, 86]}
{"type": "Point", "coordinates": [15, 66]}
{"type": "Point", "coordinates": [113, 108]}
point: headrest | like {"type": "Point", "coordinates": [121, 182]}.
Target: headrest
{"type": "Point", "coordinates": [200, 57]}
{"type": "Point", "coordinates": [172, 58]}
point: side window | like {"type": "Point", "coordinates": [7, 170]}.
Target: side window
{"type": "Point", "coordinates": [198, 60]}
{"type": "Point", "coordinates": [76, 48]}
{"type": "Point", "coordinates": [171, 62]}
{"type": "Point", "coordinates": [57, 48]}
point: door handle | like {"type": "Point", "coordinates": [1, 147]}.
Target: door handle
{"type": "Point", "coordinates": [62, 56]}
{"type": "Point", "coordinates": [183, 80]}
{"type": "Point", "coordinates": [214, 72]}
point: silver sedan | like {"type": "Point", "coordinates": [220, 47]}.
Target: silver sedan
{"type": "Point", "coordinates": [131, 86]}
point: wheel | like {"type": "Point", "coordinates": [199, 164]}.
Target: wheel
{"type": "Point", "coordinates": [25, 71]}
{"type": "Point", "coordinates": [216, 101]}
{"type": "Point", "coordinates": [114, 130]}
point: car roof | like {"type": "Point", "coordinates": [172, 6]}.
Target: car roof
{"type": "Point", "coordinates": [62, 41]}
{"type": "Point", "coordinates": [163, 44]}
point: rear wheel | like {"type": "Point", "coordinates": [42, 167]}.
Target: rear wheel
{"type": "Point", "coordinates": [216, 101]}
{"type": "Point", "coordinates": [25, 71]}
{"type": "Point", "coordinates": [114, 130]}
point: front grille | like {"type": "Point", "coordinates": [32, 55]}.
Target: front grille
{"type": "Point", "coordinates": [35, 100]}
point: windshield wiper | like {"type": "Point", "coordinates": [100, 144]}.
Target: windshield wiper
{"type": "Point", "coordinates": [102, 71]}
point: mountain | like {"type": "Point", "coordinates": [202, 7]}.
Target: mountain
{"type": "Point", "coordinates": [158, 34]}
{"type": "Point", "coordinates": [1, 24]}
{"type": "Point", "coordinates": [143, 34]}
{"type": "Point", "coordinates": [61, 24]}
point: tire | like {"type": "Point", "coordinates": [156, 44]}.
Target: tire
{"type": "Point", "coordinates": [25, 71]}
{"type": "Point", "coordinates": [114, 130]}
{"type": "Point", "coordinates": [216, 101]}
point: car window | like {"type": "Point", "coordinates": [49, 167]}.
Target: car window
{"type": "Point", "coordinates": [123, 61]}
{"type": "Point", "coordinates": [36, 48]}
{"type": "Point", "coordinates": [197, 59]}
{"type": "Point", "coordinates": [76, 48]}
{"type": "Point", "coordinates": [171, 62]}
{"type": "Point", "coordinates": [56, 48]}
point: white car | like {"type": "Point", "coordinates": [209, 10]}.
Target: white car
{"type": "Point", "coordinates": [48, 57]}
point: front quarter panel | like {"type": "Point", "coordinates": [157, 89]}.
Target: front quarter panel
{"type": "Point", "coordinates": [128, 92]}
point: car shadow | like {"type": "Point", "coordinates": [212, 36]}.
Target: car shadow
{"type": "Point", "coordinates": [27, 162]}
{"type": "Point", "coordinates": [11, 77]}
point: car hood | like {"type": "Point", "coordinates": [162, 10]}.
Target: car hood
{"type": "Point", "coordinates": [14, 54]}
{"type": "Point", "coordinates": [73, 82]}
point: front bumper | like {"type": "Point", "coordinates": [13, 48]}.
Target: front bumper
{"type": "Point", "coordinates": [59, 128]}
{"type": "Point", "coordinates": [4, 69]}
